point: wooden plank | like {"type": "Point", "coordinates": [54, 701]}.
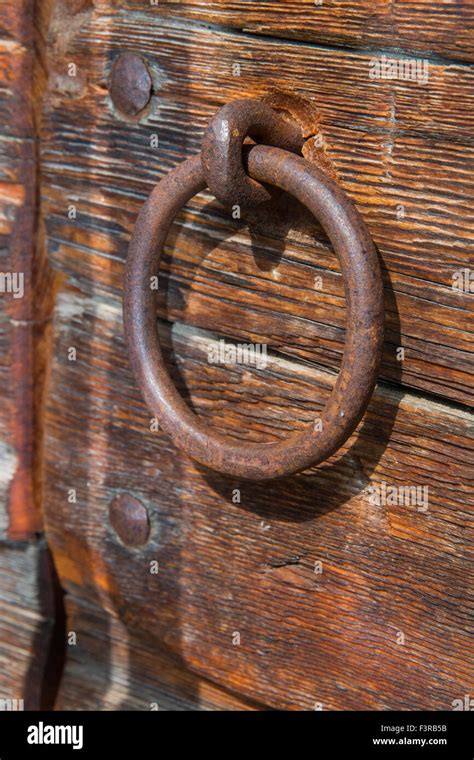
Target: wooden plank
{"type": "Point", "coordinates": [383, 626]}
{"type": "Point", "coordinates": [24, 296]}
{"type": "Point", "coordinates": [110, 668]}
{"type": "Point", "coordinates": [417, 26]}
{"type": "Point", "coordinates": [16, 230]}
{"type": "Point", "coordinates": [27, 605]}
{"type": "Point", "coordinates": [26, 626]}
{"type": "Point", "coordinates": [402, 152]}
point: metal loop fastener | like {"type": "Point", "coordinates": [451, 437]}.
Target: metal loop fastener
{"type": "Point", "coordinates": [222, 148]}
{"type": "Point", "coordinates": [364, 332]}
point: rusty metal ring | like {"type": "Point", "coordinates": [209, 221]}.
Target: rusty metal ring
{"type": "Point", "coordinates": [364, 333]}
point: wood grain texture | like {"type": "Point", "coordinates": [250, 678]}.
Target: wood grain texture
{"type": "Point", "coordinates": [418, 26]}
{"type": "Point", "coordinates": [26, 623]}
{"type": "Point", "coordinates": [27, 605]}
{"type": "Point", "coordinates": [23, 313]}
{"type": "Point", "coordinates": [383, 626]}
{"type": "Point", "coordinates": [110, 668]}
{"type": "Point", "coordinates": [403, 152]}
{"type": "Point", "coordinates": [299, 594]}
{"type": "Point", "coordinates": [17, 192]}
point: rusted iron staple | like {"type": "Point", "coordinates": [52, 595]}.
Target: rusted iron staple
{"type": "Point", "coordinates": [222, 144]}
{"type": "Point", "coordinates": [224, 166]}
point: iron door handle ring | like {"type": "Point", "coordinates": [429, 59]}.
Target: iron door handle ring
{"type": "Point", "coordinates": [361, 273]}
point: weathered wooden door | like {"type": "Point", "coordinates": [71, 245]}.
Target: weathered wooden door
{"type": "Point", "coordinates": [345, 586]}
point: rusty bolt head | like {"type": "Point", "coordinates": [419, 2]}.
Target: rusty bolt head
{"type": "Point", "coordinates": [130, 84]}
{"type": "Point", "coordinates": [130, 520]}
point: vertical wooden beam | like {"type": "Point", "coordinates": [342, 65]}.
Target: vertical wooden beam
{"type": "Point", "coordinates": [30, 600]}
{"type": "Point", "coordinates": [25, 282]}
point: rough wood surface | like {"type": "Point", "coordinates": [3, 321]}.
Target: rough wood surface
{"type": "Point", "coordinates": [110, 668]}
{"type": "Point", "coordinates": [419, 26]}
{"type": "Point", "coordinates": [383, 626]}
{"type": "Point", "coordinates": [305, 593]}
{"type": "Point", "coordinates": [17, 193]}
{"type": "Point", "coordinates": [27, 604]}
{"type": "Point", "coordinates": [23, 313]}
{"type": "Point", "coordinates": [26, 624]}
{"type": "Point", "coordinates": [402, 151]}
